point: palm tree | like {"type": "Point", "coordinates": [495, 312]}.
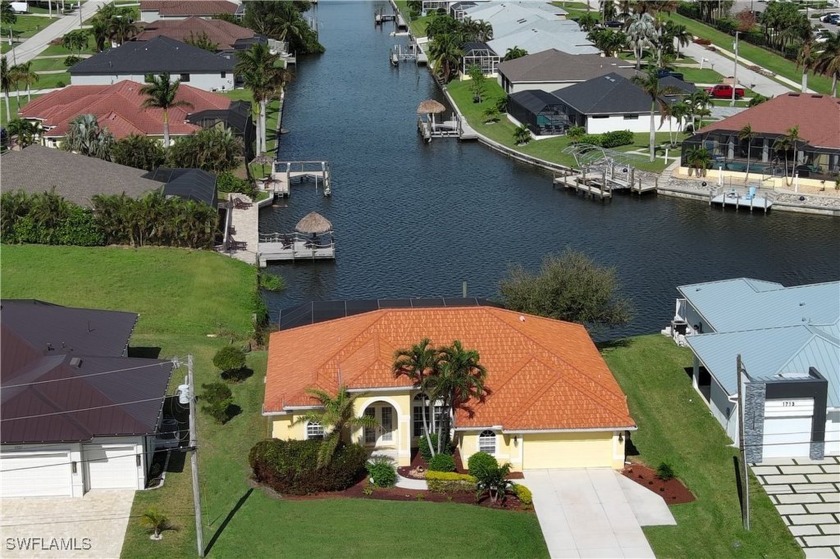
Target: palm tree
{"type": "Point", "coordinates": [828, 59]}
{"type": "Point", "coordinates": [806, 58]}
{"type": "Point", "coordinates": [521, 135]}
{"type": "Point", "coordinates": [515, 52]}
{"type": "Point", "coordinates": [155, 521]}
{"type": "Point", "coordinates": [698, 101]}
{"type": "Point", "coordinates": [608, 40]}
{"type": "Point", "coordinates": [9, 17]}
{"type": "Point", "coordinates": [335, 416]}
{"type": "Point", "coordinates": [746, 134]}
{"type": "Point", "coordinates": [484, 31]}
{"type": "Point", "coordinates": [417, 364]}
{"type": "Point", "coordinates": [161, 93]}
{"type": "Point", "coordinates": [23, 73]}
{"type": "Point", "coordinates": [445, 53]}
{"type": "Point", "coordinates": [649, 82]}
{"type": "Point", "coordinates": [607, 9]}
{"type": "Point", "coordinates": [6, 82]}
{"type": "Point", "coordinates": [678, 111]}
{"type": "Point", "coordinates": [121, 28]}
{"type": "Point", "coordinates": [25, 131]}
{"type": "Point", "coordinates": [259, 69]}
{"type": "Point", "coordinates": [698, 158]}
{"type": "Point", "coordinates": [641, 34]}
{"type": "Point", "coordinates": [785, 144]}
{"type": "Point", "coordinates": [588, 21]}
{"type": "Point", "coordinates": [85, 136]}
{"type": "Point", "coordinates": [460, 378]}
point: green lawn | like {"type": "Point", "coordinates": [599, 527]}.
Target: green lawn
{"type": "Point", "coordinates": [49, 81]}
{"type": "Point", "coordinates": [696, 75]}
{"type": "Point", "coordinates": [26, 26]}
{"type": "Point", "coordinates": [675, 427]}
{"type": "Point", "coordinates": [550, 149]}
{"type": "Point", "coordinates": [757, 55]}
{"type": "Point", "coordinates": [53, 50]}
{"type": "Point", "coordinates": [44, 64]}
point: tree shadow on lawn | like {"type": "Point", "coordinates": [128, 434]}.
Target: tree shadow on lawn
{"type": "Point", "coordinates": [237, 375]}
{"type": "Point", "coordinates": [613, 344]}
{"type": "Point", "coordinates": [144, 352]}
{"type": "Point", "coordinates": [227, 520]}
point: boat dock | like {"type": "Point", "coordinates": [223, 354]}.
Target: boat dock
{"type": "Point", "coordinates": [738, 199]}
{"type": "Point", "coordinates": [286, 173]}
{"type": "Point", "coordinates": [275, 247]}
{"type": "Point", "coordinates": [407, 53]}
{"type": "Point", "coordinates": [381, 18]}
{"type": "Point", "coordinates": [602, 185]}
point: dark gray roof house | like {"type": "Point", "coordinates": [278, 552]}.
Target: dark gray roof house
{"type": "Point", "coordinates": [66, 378]}
{"type": "Point", "coordinates": [540, 111]}
{"type": "Point", "coordinates": [155, 56]}
{"type": "Point", "coordinates": [552, 69]}
{"type": "Point", "coordinates": [77, 178]}
{"type": "Point", "coordinates": [609, 94]}
{"type": "Point", "coordinates": [189, 184]}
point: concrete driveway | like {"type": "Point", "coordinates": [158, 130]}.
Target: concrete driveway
{"type": "Point", "coordinates": [594, 513]}
{"type": "Point", "coordinates": [91, 527]}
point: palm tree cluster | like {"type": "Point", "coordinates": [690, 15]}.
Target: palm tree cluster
{"type": "Point", "coordinates": [85, 136]}
{"type": "Point", "coordinates": [447, 37]}
{"type": "Point", "coordinates": [283, 21]}
{"type": "Point", "coordinates": [264, 74]}
{"type": "Point", "coordinates": [643, 31]}
{"type": "Point", "coordinates": [12, 77]}
{"type": "Point", "coordinates": [112, 24]}
{"type": "Point", "coordinates": [214, 150]}
{"type": "Point", "coordinates": [828, 59]}
{"type": "Point", "coordinates": [24, 132]}
{"type": "Point", "coordinates": [650, 83]}
{"type": "Point", "coordinates": [155, 220]}
{"type": "Point", "coordinates": [450, 375]}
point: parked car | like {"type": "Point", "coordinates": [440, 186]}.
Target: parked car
{"type": "Point", "coordinates": [613, 24]}
{"type": "Point", "coordinates": [724, 91]}
{"type": "Point", "coordinates": [826, 18]}
{"type": "Point", "coordinates": [169, 435]}
{"type": "Point", "coordinates": [665, 72]}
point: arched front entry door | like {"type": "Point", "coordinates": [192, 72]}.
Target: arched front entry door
{"type": "Point", "coordinates": [385, 434]}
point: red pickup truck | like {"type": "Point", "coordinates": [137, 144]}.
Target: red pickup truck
{"type": "Point", "coordinates": [724, 91]}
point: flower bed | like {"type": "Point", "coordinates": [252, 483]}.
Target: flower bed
{"type": "Point", "coordinates": [673, 490]}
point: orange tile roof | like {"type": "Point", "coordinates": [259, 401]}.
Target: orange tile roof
{"type": "Point", "coordinates": [118, 108]}
{"type": "Point", "coordinates": [544, 374]}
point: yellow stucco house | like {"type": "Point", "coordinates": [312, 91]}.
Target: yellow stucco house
{"type": "Point", "coordinates": [554, 403]}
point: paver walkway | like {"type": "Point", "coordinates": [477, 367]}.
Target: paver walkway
{"type": "Point", "coordinates": [807, 496]}
{"type": "Point", "coordinates": [587, 513]}
{"type": "Point", "coordinates": [245, 226]}
{"type": "Point", "coordinates": [91, 526]}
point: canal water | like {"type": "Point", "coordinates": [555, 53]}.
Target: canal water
{"type": "Point", "coordinates": [417, 220]}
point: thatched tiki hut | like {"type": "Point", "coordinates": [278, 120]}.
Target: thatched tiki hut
{"type": "Point", "coordinates": [318, 228]}
{"type": "Point", "coordinates": [430, 107]}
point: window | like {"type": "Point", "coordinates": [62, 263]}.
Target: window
{"type": "Point", "coordinates": [185, 77]}
{"type": "Point", "coordinates": [600, 116]}
{"type": "Point", "coordinates": [370, 433]}
{"type": "Point", "coordinates": [387, 424]}
{"type": "Point", "coordinates": [417, 415]}
{"type": "Point", "coordinates": [224, 74]}
{"type": "Point", "coordinates": [314, 430]}
{"type": "Point", "coordinates": [631, 117]}
{"type": "Point", "coordinates": [487, 442]}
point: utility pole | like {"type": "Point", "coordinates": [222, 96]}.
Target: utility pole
{"type": "Point", "coordinates": [199, 533]}
{"type": "Point", "coordinates": [735, 72]}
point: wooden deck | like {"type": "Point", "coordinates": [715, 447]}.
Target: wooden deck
{"type": "Point", "coordinates": [286, 173]}
{"type": "Point", "coordinates": [602, 185]}
{"type": "Point", "coordinates": [294, 246]}
{"type": "Point", "coordinates": [739, 200]}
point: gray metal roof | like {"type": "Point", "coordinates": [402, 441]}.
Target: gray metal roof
{"type": "Point", "coordinates": [553, 65]}
{"type": "Point", "coordinates": [155, 56]}
{"type": "Point", "coordinates": [64, 376]}
{"type": "Point", "coordinates": [776, 330]}
{"type": "Point", "coordinates": [607, 94]}
{"type": "Point", "coordinates": [77, 178]}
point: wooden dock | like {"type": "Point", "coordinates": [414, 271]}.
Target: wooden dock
{"type": "Point", "coordinates": [294, 246]}
{"type": "Point", "coordinates": [739, 200]}
{"type": "Point", "coordinates": [286, 173]}
{"type": "Point", "coordinates": [602, 184]}
{"type": "Point", "coordinates": [381, 18]}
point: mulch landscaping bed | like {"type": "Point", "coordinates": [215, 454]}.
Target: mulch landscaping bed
{"type": "Point", "coordinates": [673, 490]}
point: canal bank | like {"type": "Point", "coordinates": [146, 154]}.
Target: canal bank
{"type": "Point", "coordinates": [417, 220]}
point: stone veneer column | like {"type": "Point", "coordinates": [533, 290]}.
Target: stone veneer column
{"type": "Point", "coordinates": [754, 398]}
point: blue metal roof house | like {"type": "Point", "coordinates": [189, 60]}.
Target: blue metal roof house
{"type": "Point", "coordinates": [788, 339]}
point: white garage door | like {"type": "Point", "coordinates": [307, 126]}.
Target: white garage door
{"type": "Point", "coordinates": [36, 474]}
{"type": "Point", "coordinates": [110, 467]}
{"type": "Point", "coordinates": [787, 437]}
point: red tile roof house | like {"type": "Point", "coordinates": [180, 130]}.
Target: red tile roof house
{"type": "Point", "coordinates": [816, 159]}
{"type": "Point", "coordinates": [228, 36]}
{"type": "Point", "coordinates": [119, 108]}
{"type": "Point", "coordinates": [151, 10]}
{"type": "Point", "coordinates": [77, 413]}
{"type": "Point", "coordinates": [554, 401]}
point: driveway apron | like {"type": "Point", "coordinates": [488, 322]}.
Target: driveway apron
{"type": "Point", "coordinates": [585, 513]}
{"type": "Point", "coordinates": [92, 526]}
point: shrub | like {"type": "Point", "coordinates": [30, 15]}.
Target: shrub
{"type": "Point", "coordinates": [481, 461]}
{"type": "Point", "coordinates": [228, 182]}
{"type": "Point", "coordinates": [382, 471]}
{"type": "Point", "coordinates": [450, 482]}
{"type": "Point", "coordinates": [523, 494]}
{"type": "Point", "coordinates": [271, 282]}
{"type": "Point", "coordinates": [442, 463]}
{"type": "Point", "coordinates": [425, 452]}
{"type": "Point", "coordinates": [229, 358]}
{"type": "Point", "coordinates": [616, 138]}
{"type": "Point", "coordinates": [59, 84]}
{"type": "Point", "coordinates": [664, 472]}
{"type": "Point", "coordinates": [576, 131]}
{"type": "Point", "coordinates": [217, 398]}
{"type": "Point", "coordinates": [594, 139]}
{"type": "Point", "coordinates": [71, 60]}
{"type": "Point", "coordinates": [494, 482]}
{"type": "Point", "coordinates": [291, 466]}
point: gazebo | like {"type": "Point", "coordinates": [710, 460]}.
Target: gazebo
{"type": "Point", "coordinates": [318, 228]}
{"type": "Point", "coordinates": [430, 108]}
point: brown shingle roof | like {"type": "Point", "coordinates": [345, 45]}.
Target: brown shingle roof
{"type": "Point", "coordinates": [556, 66]}
{"type": "Point", "coordinates": [818, 118]}
{"type": "Point", "coordinates": [544, 374]}
{"type": "Point", "coordinates": [64, 377]}
{"type": "Point", "coordinates": [181, 8]}
{"type": "Point", "coordinates": [77, 178]}
{"type": "Point", "coordinates": [223, 33]}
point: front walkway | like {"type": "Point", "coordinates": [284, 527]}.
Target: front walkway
{"type": "Point", "coordinates": [807, 496]}
{"type": "Point", "coordinates": [594, 513]}
{"type": "Point", "coordinates": [89, 526]}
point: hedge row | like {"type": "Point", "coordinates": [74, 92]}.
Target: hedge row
{"type": "Point", "coordinates": [450, 482]}
{"type": "Point", "coordinates": [290, 467]}
{"type": "Point", "coordinates": [607, 139]}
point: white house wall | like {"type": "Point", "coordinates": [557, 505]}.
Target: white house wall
{"type": "Point", "coordinates": [613, 123]}
{"type": "Point", "coordinates": [832, 433]}
{"type": "Point", "coordinates": [548, 87]}
{"type": "Point", "coordinates": [208, 82]}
